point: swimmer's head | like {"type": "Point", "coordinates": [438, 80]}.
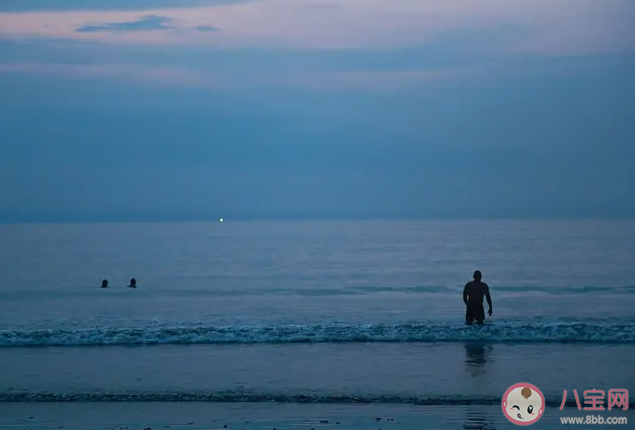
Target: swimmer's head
{"type": "Point", "coordinates": [133, 281]}
{"type": "Point", "coordinates": [523, 405]}
{"type": "Point", "coordinates": [477, 275]}
{"type": "Point", "coordinates": [104, 283]}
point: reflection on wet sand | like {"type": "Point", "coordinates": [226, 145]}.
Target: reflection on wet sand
{"type": "Point", "coordinates": [477, 354]}
{"type": "Point", "coordinates": [477, 420]}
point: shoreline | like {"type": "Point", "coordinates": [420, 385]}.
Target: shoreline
{"type": "Point", "coordinates": [251, 416]}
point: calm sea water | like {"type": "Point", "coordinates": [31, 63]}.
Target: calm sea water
{"type": "Point", "coordinates": [314, 311]}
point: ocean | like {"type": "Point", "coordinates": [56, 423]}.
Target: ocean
{"type": "Point", "coordinates": [336, 324]}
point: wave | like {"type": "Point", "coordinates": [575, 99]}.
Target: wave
{"type": "Point", "coordinates": [357, 290]}
{"type": "Point", "coordinates": [550, 290]}
{"type": "Point", "coordinates": [242, 396]}
{"type": "Point", "coordinates": [591, 332]}
{"type": "Point", "coordinates": [353, 290]}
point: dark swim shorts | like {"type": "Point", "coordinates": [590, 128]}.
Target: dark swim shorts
{"type": "Point", "coordinates": [475, 312]}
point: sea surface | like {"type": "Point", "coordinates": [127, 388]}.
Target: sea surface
{"type": "Point", "coordinates": [315, 312]}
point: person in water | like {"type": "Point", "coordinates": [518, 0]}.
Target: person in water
{"type": "Point", "coordinates": [133, 283]}
{"type": "Point", "coordinates": [473, 298]}
{"type": "Point", "coordinates": [104, 283]}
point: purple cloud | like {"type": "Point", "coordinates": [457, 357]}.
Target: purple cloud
{"type": "Point", "coordinates": [147, 23]}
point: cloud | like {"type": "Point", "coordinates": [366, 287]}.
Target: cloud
{"type": "Point", "coordinates": [68, 5]}
{"type": "Point", "coordinates": [562, 27]}
{"type": "Point", "coordinates": [147, 23]}
{"type": "Point", "coordinates": [144, 24]}
{"type": "Point", "coordinates": [206, 28]}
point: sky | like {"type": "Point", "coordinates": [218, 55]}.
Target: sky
{"type": "Point", "coordinates": [158, 110]}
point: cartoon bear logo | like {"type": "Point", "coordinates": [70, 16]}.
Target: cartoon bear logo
{"type": "Point", "coordinates": [523, 404]}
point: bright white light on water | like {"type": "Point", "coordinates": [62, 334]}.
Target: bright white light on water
{"type": "Point", "coordinates": [221, 220]}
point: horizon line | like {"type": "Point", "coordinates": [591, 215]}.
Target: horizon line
{"type": "Point", "coordinates": [317, 219]}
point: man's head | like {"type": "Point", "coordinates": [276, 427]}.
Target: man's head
{"type": "Point", "coordinates": [477, 275]}
{"type": "Point", "coordinates": [133, 281]}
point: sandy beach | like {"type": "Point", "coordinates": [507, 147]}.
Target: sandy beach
{"type": "Point", "coordinates": [248, 416]}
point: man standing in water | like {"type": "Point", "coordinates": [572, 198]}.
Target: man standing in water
{"type": "Point", "coordinates": [473, 298]}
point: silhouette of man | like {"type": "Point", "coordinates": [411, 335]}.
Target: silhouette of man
{"type": "Point", "coordinates": [473, 298]}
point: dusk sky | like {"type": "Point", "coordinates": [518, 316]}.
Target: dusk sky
{"type": "Point", "coordinates": [199, 109]}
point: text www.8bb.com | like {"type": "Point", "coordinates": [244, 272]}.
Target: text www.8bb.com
{"type": "Point", "coordinates": [594, 419]}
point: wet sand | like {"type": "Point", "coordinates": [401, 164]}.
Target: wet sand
{"type": "Point", "coordinates": [364, 369]}
{"type": "Point", "coordinates": [248, 416]}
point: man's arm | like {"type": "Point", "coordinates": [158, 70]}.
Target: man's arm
{"type": "Point", "coordinates": [489, 299]}
{"type": "Point", "coordinates": [465, 294]}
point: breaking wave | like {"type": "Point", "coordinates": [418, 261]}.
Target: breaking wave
{"type": "Point", "coordinates": [240, 396]}
{"type": "Point", "coordinates": [562, 332]}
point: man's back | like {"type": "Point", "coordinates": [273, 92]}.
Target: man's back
{"type": "Point", "coordinates": [474, 292]}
